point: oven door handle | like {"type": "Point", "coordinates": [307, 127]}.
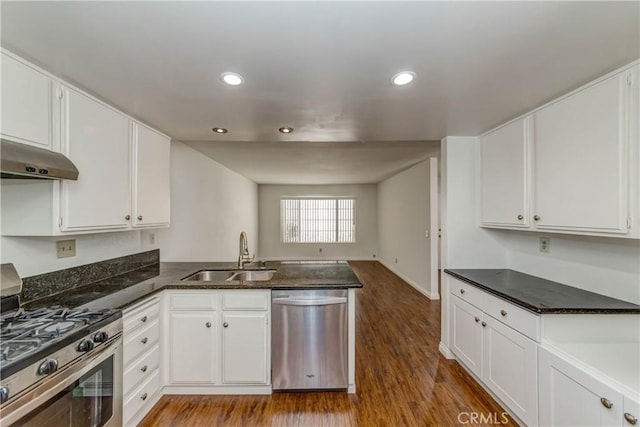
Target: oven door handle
{"type": "Point", "coordinates": [54, 384]}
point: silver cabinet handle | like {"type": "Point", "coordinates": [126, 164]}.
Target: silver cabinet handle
{"type": "Point", "coordinates": [144, 340]}
{"type": "Point", "coordinates": [208, 324]}
{"type": "Point", "coordinates": [536, 217]}
{"type": "Point", "coordinates": [606, 402]}
{"type": "Point", "coordinates": [484, 324]}
{"type": "Point", "coordinates": [144, 396]}
{"type": "Point", "coordinates": [225, 324]}
{"type": "Point", "coordinates": [630, 418]}
{"type": "Point", "coordinates": [462, 291]}
{"type": "Point", "coordinates": [477, 319]}
{"type": "Point", "coordinates": [520, 217]}
{"type": "Point", "coordinates": [503, 312]}
{"type": "Point", "coordinates": [143, 319]}
{"type": "Point", "coordinates": [139, 217]}
{"type": "Point", "coordinates": [128, 217]}
{"type": "Point", "coordinates": [144, 368]}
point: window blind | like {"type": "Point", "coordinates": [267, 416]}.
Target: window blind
{"type": "Point", "coordinates": [315, 220]}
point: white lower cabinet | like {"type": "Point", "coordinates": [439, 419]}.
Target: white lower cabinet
{"type": "Point", "coordinates": [141, 359]}
{"type": "Point", "coordinates": [245, 337]}
{"type": "Point", "coordinates": [218, 339]}
{"type": "Point", "coordinates": [570, 396]}
{"type": "Point", "coordinates": [193, 350]}
{"type": "Point", "coordinates": [466, 334]}
{"type": "Point", "coordinates": [510, 368]}
{"type": "Point", "coordinates": [497, 351]}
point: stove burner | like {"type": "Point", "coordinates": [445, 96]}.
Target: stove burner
{"type": "Point", "coordinates": [10, 349]}
{"type": "Point", "coordinates": [59, 327]}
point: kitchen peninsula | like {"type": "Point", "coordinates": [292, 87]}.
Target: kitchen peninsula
{"type": "Point", "coordinates": [193, 336]}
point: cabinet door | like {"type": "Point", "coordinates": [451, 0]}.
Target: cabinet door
{"type": "Point", "coordinates": [151, 178]}
{"type": "Point", "coordinates": [509, 368]}
{"type": "Point", "coordinates": [245, 348]}
{"type": "Point", "coordinates": [26, 103]}
{"type": "Point", "coordinates": [96, 139]}
{"type": "Point", "coordinates": [580, 166]}
{"type": "Point", "coordinates": [504, 184]}
{"type": "Point", "coordinates": [571, 397]}
{"type": "Point", "coordinates": [466, 334]}
{"type": "Point", "coordinates": [192, 358]}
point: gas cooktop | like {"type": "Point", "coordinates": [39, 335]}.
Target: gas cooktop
{"type": "Point", "coordinates": [27, 335]}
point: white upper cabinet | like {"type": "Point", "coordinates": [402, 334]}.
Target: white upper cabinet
{"type": "Point", "coordinates": [124, 175]}
{"type": "Point", "coordinates": [26, 103]}
{"type": "Point", "coordinates": [151, 202]}
{"type": "Point", "coordinates": [96, 138]}
{"type": "Point", "coordinates": [580, 165]}
{"type": "Point", "coordinates": [572, 166]}
{"type": "Point", "coordinates": [503, 175]}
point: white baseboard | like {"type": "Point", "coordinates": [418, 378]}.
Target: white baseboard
{"type": "Point", "coordinates": [430, 295]}
{"type": "Point", "coordinates": [448, 354]}
{"type": "Point", "coordinates": [171, 389]}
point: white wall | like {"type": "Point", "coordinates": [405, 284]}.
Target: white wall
{"type": "Point", "coordinates": [604, 265]}
{"type": "Point", "coordinates": [37, 255]}
{"type": "Point", "coordinates": [404, 215]}
{"type": "Point", "coordinates": [210, 206]}
{"type": "Point", "coordinates": [464, 244]}
{"type": "Point", "coordinates": [365, 247]}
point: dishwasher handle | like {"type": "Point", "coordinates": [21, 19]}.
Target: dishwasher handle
{"type": "Point", "coordinates": [310, 301]}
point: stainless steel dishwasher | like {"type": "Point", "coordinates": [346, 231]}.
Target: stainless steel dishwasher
{"type": "Point", "coordinates": [309, 339]}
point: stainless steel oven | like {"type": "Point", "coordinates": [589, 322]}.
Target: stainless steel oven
{"type": "Point", "coordinates": [85, 393]}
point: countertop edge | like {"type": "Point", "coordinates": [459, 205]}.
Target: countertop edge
{"type": "Point", "coordinates": [538, 310]}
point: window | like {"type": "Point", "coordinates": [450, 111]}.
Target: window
{"type": "Point", "coordinates": [307, 220]}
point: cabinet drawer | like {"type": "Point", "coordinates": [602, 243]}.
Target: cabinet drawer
{"type": "Point", "coordinates": [517, 318]}
{"type": "Point", "coordinates": [140, 369]}
{"type": "Point", "coordinates": [140, 396]}
{"type": "Point", "coordinates": [143, 314]}
{"type": "Point", "coordinates": [465, 292]}
{"type": "Point", "coordinates": [193, 301]}
{"type": "Point", "coordinates": [246, 300]}
{"type": "Point", "coordinates": [140, 341]}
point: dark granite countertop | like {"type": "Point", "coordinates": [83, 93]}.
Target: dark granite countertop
{"type": "Point", "coordinates": [540, 295]}
{"type": "Point", "coordinates": [126, 289]}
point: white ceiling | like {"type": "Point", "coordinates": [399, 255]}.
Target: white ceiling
{"type": "Point", "coordinates": [324, 69]}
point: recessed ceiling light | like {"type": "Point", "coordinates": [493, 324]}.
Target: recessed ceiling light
{"type": "Point", "coordinates": [286, 130]}
{"type": "Point", "coordinates": [403, 78]}
{"type": "Point", "coordinates": [232, 79]}
{"type": "Point", "coordinates": [220, 130]}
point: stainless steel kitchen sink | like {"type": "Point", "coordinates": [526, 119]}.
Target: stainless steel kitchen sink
{"type": "Point", "coordinates": [231, 275]}
{"type": "Point", "coordinates": [210, 275]}
{"type": "Point", "coordinates": [253, 275]}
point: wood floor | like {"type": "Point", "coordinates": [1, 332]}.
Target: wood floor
{"type": "Point", "coordinates": [401, 378]}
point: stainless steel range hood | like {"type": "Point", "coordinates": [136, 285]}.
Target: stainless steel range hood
{"type": "Point", "coordinates": [21, 161]}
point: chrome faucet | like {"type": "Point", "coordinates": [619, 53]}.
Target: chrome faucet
{"type": "Point", "coordinates": [243, 252]}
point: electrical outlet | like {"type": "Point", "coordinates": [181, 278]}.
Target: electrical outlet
{"type": "Point", "coordinates": [320, 249]}
{"type": "Point", "coordinates": [426, 234]}
{"type": "Point", "coordinates": [152, 238]}
{"type": "Point", "coordinates": [396, 260]}
{"type": "Point", "coordinates": [545, 242]}
{"type": "Point", "coordinates": [66, 248]}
